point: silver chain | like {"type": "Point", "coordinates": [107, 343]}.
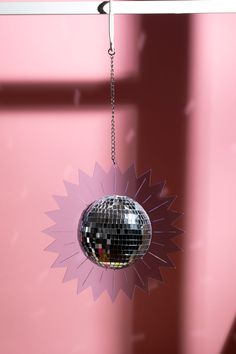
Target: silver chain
{"type": "Point", "coordinates": [111, 52]}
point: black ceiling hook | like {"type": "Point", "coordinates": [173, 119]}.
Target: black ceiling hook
{"type": "Point", "coordinates": [101, 7]}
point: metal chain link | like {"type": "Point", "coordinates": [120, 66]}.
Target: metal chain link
{"type": "Point", "coordinates": [111, 52]}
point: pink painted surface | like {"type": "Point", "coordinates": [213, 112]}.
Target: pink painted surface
{"type": "Point", "coordinates": [65, 48]}
{"type": "Point", "coordinates": [40, 314]}
{"type": "Point", "coordinates": [40, 148]}
{"type": "Point", "coordinates": [209, 302]}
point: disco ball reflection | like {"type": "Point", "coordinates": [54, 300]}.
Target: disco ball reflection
{"type": "Point", "coordinates": [115, 231]}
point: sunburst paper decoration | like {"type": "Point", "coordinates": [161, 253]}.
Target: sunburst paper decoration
{"type": "Point", "coordinates": [113, 231]}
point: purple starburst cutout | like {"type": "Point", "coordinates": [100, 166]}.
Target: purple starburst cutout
{"type": "Point", "coordinates": [79, 197]}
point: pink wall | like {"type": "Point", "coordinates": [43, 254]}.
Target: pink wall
{"type": "Point", "coordinates": [209, 303]}
{"type": "Point", "coordinates": [55, 119]}
{"type": "Point", "coordinates": [39, 147]}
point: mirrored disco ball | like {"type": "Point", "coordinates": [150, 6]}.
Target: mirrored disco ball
{"type": "Point", "coordinates": [115, 231]}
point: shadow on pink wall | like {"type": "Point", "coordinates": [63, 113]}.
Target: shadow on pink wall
{"type": "Point", "coordinates": [161, 98]}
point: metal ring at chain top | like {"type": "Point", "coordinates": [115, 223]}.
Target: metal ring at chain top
{"type": "Point", "coordinates": [111, 51]}
{"type": "Point", "coordinates": [112, 93]}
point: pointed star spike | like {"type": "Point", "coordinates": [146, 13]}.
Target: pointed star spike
{"type": "Point", "coordinates": [155, 272]}
{"type": "Point", "coordinates": [87, 276]}
{"type": "Point", "coordinates": [115, 290]}
{"type": "Point", "coordinates": [69, 275]}
{"type": "Point", "coordinates": [130, 171]}
{"type": "Point", "coordinates": [50, 231]}
{"type": "Point", "coordinates": [165, 203]}
{"type": "Point", "coordinates": [128, 282]}
{"type": "Point", "coordinates": [97, 281]}
{"type": "Point", "coordinates": [98, 172]}
{"type": "Point", "coordinates": [57, 263]}
{"type": "Point", "coordinates": [71, 188]}
{"type": "Point", "coordinates": [96, 292]}
{"type": "Point", "coordinates": [128, 291]}
{"type": "Point", "coordinates": [172, 215]}
{"type": "Point", "coordinates": [83, 177]}
{"type": "Point", "coordinates": [139, 280]}
{"type": "Point", "coordinates": [143, 189]}
{"type": "Point", "coordinates": [139, 188]}
{"type": "Point", "coordinates": [157, 188]}
{"type": "Point", "coordinates": [146, 175]}
{"type": "Point", "coordinates": [60, 200]}
{"type": "Point", "coordinates": [170, 264]}
{"type": "Point", "coordinates": [164, 239]}
{"type": "Point", "coordinates": [119, 184]}
{"type": "Point", "coordinates": [172, 247]}
{"type": "Point", "coordinates": [131, 181]}
{"type": "Point", "coordinates": [54, 215]}
{"type": "Point", "coordinates": [178, 231]}
{"type": "Point", "coordinates": [166, 229]}
{"type": "Point", "coordinates": [89, 189]}
{"type": "Point", "coordinates": [53, 247]}
{"type": "Point", "coordinates": [57, 232]}
{"type": "Point", "coordinates": [142, 273]}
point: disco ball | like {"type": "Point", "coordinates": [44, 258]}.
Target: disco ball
{"type": "Point", "coordinates": [115, 231]}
